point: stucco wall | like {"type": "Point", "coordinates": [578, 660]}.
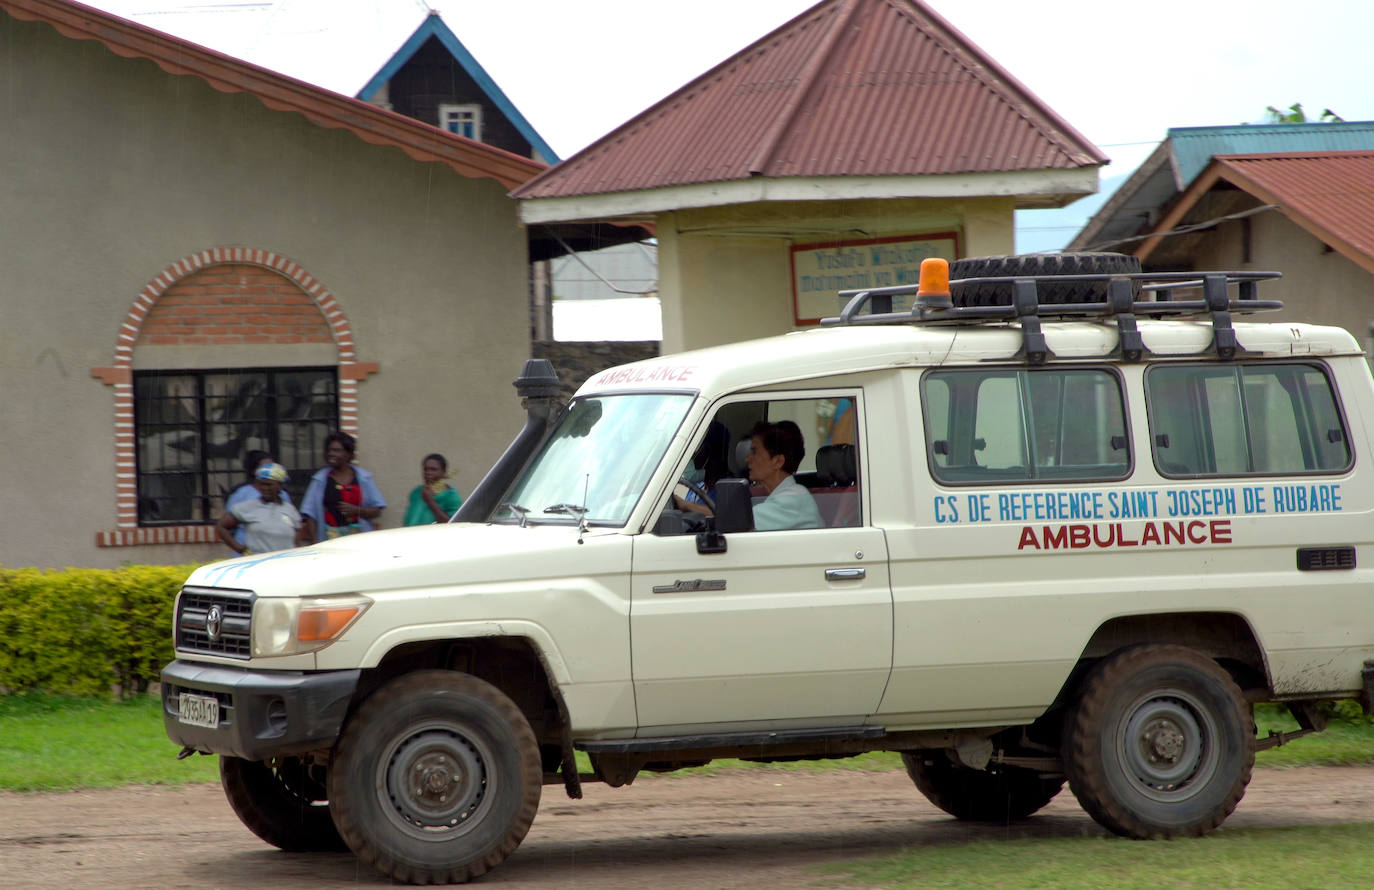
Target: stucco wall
{"type": "Point", "coordinates": [725, 273]}
{"type": "Point", "coordinates": [111, 170]}
{"type": "Point", "coordinates": [1319, 285]}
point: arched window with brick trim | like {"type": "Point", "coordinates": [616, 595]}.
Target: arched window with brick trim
{"type": "Point", "coordinates": [227, 351]}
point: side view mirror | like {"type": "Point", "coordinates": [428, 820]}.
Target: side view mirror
{"type": "Point", "coordinates": [734, 513]}
{"type": "Point", "coordinates": [734, 506]}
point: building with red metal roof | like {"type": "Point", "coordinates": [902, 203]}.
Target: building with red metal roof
{"type": "Point", "coordinates": [1307, 214]}
{"type": "Point", "coordinates": [858, 124]}
{"type": "Point", "coordinates": [204, 257]}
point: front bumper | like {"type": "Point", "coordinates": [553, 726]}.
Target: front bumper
{"type": "Point", "coordinates": [262, 714]}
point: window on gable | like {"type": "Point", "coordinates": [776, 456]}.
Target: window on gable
{"type": "Point", "coordinates": [465, 120]}
{"type": "Point", "coordinates": [194, 428]}
{"type": "Point", "coordinates": [1244, 419]}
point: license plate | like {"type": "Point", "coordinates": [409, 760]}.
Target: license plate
{"type": "Point", "coordinates": [198, 710]}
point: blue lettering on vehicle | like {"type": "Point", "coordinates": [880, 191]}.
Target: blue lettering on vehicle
{"type": "Point", "coordinates": [1103, 505]}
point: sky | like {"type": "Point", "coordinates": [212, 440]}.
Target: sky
{"type": "Point", "coordinates": [1121, 74]}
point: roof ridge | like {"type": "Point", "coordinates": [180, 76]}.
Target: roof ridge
{"type": "Point", "coordinates": [1027, 97]}
{"type": "Point", "coordinates": [814, 66]}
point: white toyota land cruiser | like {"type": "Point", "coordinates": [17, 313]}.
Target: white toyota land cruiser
{"type": "Point", "coordinates": [1065, 526]}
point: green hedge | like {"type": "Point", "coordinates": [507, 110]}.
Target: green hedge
{"type": "Point", "coordinates": [86, 631]}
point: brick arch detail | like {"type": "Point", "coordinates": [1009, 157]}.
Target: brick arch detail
{"type": "Point", "coordinates": [120, 377]}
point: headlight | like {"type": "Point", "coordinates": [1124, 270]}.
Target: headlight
{"type": "Point", "coordinates": [293, 626]}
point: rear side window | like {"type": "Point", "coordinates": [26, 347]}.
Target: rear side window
{"type": "Point", "coordinates": [1244, 420]}
{"type": "Point", "coordinates": [1025, 425]}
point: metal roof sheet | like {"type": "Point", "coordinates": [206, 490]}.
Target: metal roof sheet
{"type": "Point", "coordinates": [1186, 152]}
{"type": "Point", "coordinates": [321, 107]}
{"type": "Point", "coordinates": [1330, 194]}
{"type": "Point", "coordinates": [1194, 147]}
{"type": "Point", "coordinates": [847, 88]}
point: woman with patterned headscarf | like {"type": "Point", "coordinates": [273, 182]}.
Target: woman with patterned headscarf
{"type": "Point", "coordinates": [269, 522]}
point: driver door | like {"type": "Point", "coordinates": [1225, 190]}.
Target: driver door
{"type": "Point", "coordinates": [789, 627]}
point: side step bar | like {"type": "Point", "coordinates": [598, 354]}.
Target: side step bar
{"type": "Point", "coordinates": [730, 740]}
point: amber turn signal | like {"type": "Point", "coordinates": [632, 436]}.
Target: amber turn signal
{"type": "Point", "coordinates": [324, 624]}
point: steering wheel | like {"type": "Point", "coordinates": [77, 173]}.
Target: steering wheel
{"type": "Point", "coordinates": [700, 491]}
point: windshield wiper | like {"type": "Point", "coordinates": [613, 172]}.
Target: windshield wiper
{"type": "Point", "coordinates": [517, 510]}
{"type": "Point", "coordinates": [575, 510]}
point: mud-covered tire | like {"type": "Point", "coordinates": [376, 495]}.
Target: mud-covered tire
{"type": "Point", "coordinates": [1161, 743]}
{"type": "Point", "coordinates": [282, 802]}
{"type": "Point", "coordinates": [1009, 794]}
{"type": "Point", "coordinates": [436, 778]}
{"type": "Point", "coordinates": [1038, 265]}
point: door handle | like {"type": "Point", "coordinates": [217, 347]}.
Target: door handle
{"type": "Point", "coordinates": [844, 574]}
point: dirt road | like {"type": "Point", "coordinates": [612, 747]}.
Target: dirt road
{"type": "Point", "coordinates": [757, 829]}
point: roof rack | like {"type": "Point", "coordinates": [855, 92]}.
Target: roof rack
{"type": "Point", "coordinates": [1120, 306]}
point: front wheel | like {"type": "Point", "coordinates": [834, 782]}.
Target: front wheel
{"type": "Point", "coordinates": [281, 801]}
{"type": "Point", "coordinates": [436, 778]}
{"type": "Point", "coordinates": [1161, 743]}
{"type": "Point", "coordinates": [1007, 795]}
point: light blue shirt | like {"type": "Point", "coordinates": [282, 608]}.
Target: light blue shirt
{"type": "Point", "coordinates": [312, 504]}
{"type": "Point", "coordinates": [246, 492]}
{"type": "Point", "coordinates": [787, 506]}
{"type": "Point", "coordinates": [268, 527]}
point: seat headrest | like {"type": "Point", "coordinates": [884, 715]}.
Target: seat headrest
{"type": "Point", "coordinates": [739, 464]}
{"type": "Point", "coordinates": [835, 465]}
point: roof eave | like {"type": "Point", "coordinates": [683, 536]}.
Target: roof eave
{"type": "Point", "coordinates": [1092, 231]}
{"type": "Point", "coordinates": [1030, 187]}
{"type": "Point", "coordinates": [321, 107]}
{"type": "Point", "coordinates": [1220, 170]}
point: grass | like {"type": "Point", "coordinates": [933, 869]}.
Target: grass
{"type": "Point", "coordinates": [1311, 857]}
{"type": "Point", "coordinates": [59, 743]}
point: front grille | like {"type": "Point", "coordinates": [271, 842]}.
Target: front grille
{"type": "Point", "coordinates": [234, 638]}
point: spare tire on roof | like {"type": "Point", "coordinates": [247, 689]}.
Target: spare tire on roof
{"type": "Point", "coordinates": [1039, 265]}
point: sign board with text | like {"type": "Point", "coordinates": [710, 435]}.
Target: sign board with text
{"type": "Point", "coordinates": [820, 271]}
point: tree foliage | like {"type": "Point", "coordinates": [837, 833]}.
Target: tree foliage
{"type": "Point", "coordinates": [1294, 114]}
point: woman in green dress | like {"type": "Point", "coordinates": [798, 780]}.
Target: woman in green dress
{"type": "Point", "coordinates": [436, 500]}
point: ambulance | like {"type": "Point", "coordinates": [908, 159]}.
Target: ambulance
{"type": "Point", "coordinates": [1056, 521]}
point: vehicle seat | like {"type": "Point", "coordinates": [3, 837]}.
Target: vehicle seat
{"type": "Point", "coordinates": [836, 493]}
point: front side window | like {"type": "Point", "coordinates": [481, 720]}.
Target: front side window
{"type": "Point", "coordinates": [1022, 425]}
{"type": "Point", "coordinates": [1239, 420]}
{"type": "Point", "coordinates": [194, 428]}
{"type": "Point", "coordinates": [800, 457]}
{"type": "Point", "coordinates": [599, 458]}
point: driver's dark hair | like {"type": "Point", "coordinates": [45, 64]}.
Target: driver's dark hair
{"type": "Point", "coordinates": [785, 438]}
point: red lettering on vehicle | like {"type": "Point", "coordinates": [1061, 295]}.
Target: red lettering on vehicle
{"type": "Point", "coordinates": [1113, 535]}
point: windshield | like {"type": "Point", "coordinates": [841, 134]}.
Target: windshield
{"type": "Point", "coordinates": [600, 457]}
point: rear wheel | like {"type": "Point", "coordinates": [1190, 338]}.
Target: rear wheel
{"type": "Point", "coordinates": [1007, 795]}
{"type": "Point", "coordinates": [282, 801]}
{"type": "Point", "coordinates": [436, 778]}
{"type": "Point", "coordinates": [1161, 743]}
{"type": "Point", "coordinates": [1038, 265]}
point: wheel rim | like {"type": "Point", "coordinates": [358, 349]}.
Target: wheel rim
{"type": "Point", "coordinates": [434, 781]}
{"type": "Point", "coordinates": [1168, 746]}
